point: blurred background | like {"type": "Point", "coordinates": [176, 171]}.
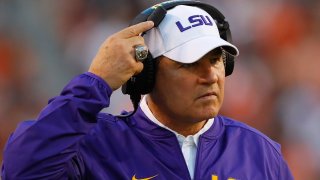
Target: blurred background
{"type": "Point", "coordinates": [274, 88]}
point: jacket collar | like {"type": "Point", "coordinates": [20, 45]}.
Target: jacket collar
{"type": "Point", "coordinates": [145, 125]}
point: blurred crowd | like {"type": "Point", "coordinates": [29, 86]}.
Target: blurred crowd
{"type": "Point", "coordinates": [274, 87]}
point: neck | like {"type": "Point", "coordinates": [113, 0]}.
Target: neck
{"type": "Point", "coordinates": [178, 124]}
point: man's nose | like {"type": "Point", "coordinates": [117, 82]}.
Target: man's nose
{"type": "Point", "coordinates": [208, 73]}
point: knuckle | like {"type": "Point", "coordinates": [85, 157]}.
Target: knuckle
{"type": "Point", "coordinates": [132, 31]}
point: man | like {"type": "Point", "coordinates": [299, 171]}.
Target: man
{"type": "Point", "coordinates": [175, 134]}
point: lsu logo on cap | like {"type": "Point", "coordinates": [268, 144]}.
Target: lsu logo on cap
{"type": "Point", "coordinates": [194, 21]}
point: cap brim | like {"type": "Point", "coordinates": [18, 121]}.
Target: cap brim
{"type": "Point", "coordinates": [195, 49]}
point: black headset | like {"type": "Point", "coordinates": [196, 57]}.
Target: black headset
{"type": "Point", "coordinates": [143, 83]}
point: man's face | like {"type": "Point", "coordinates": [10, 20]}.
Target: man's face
{"type": "Point", "coordinates": [189, 92]}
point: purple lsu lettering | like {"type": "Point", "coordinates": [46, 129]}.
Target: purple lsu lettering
{"type": "Point", "coordinates": [195, 20]}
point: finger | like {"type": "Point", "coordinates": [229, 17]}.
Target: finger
{"type": "Point", "coordinates": [136, 40]}
{"type": "Point", "coordinates": [139, 68]}
{"type": "Point", "coordinates": [135, 30]}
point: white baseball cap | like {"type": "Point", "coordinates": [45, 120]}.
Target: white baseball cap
{"type": "Point", "coordinates": [185, 35]}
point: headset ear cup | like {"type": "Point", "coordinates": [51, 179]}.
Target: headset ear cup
{"type": "Point", "coordinates": [229, 64]}
{"type": "Point", "coordinates": [145, 80]}
{"type": "Point", "coordinates": [226, 35]}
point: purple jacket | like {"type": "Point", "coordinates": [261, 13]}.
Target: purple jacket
{"type": "Point", "coordinates": [72, 140]}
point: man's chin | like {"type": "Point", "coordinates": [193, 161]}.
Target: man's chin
{"type": "Point", "coordinates": [205, 116]}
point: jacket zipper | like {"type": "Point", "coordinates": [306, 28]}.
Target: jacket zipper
{"type": "Point", "coordinates": [197, 159]}
{"type": "Point", "coordinates": [183, 160]}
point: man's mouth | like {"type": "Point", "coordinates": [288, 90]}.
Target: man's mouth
{"type": "Point", "coordinates": [208, 95]}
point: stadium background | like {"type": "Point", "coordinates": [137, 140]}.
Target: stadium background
{"type": "Point", "coordinates": [274, 88]}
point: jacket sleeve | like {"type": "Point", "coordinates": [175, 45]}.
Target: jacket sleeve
{"type": "Point", "coordinates": [47, 148]}
{"type": "Point", "coordinates": [284, 171]}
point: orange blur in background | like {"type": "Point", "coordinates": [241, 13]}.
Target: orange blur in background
{"type": "Point", "coordinates": [274, 88]}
